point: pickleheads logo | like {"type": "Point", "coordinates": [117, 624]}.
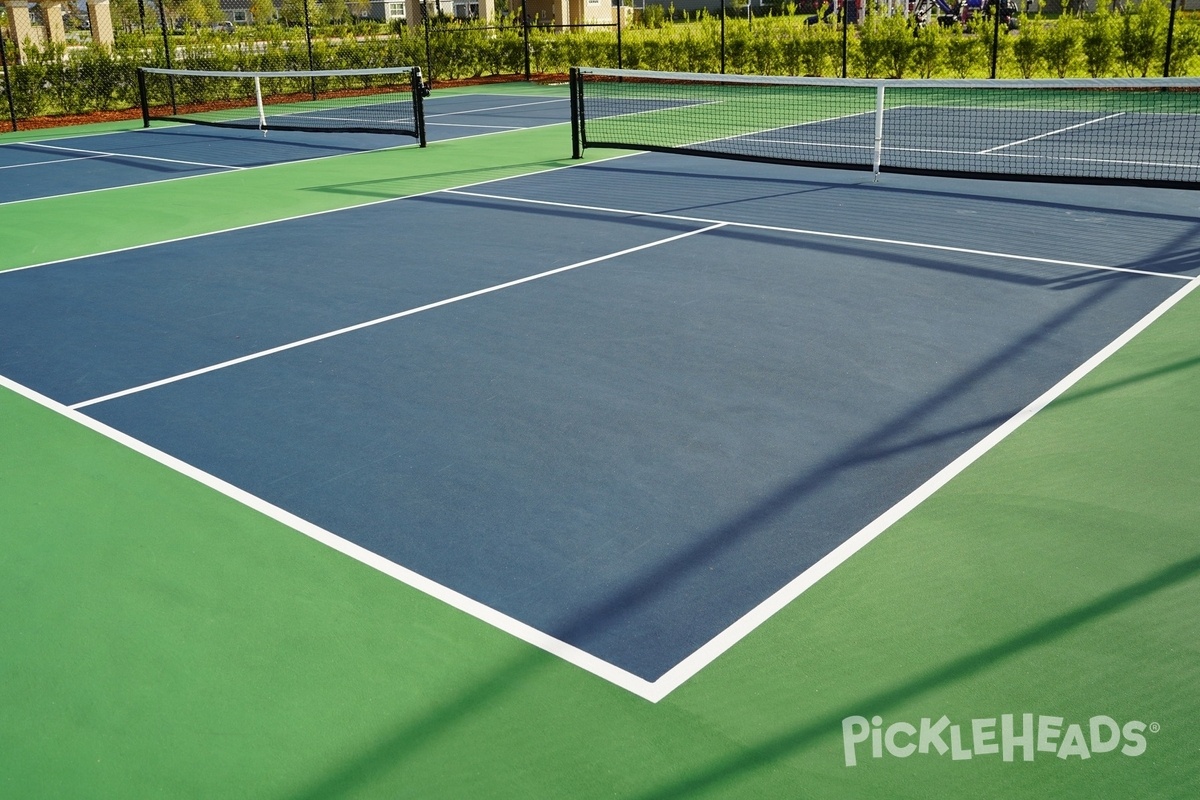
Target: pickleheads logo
{"type": "Point", "coordinates": [1005, 736]}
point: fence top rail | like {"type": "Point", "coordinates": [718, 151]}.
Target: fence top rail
{"type": "Point", "coordinates": [901, 83]}
{"type": "Point", "coordinates": [315, 73]}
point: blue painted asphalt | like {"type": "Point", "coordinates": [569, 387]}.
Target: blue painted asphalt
{"type": "Point", "coordinates": [628, 456]}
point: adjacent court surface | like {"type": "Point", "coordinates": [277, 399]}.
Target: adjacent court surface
{"type": "Point", "coordinates": [346, 468]}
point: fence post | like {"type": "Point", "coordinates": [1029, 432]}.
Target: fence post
{"type": "Point", "coordinates": [12, 109]}
{"type": "Point", "coordinates": [995, 34]}
{"type": "Point", "coordinates": [1170, 38]}
{"type": "Point", "coordinates": [620, 25]}
{"type": "Point", "coordinates": [845, 32]}
{"type": "Point", "coordinates": [312, 82]}
{"type": "Point", "coordinates": [525, 34]}
{"type": "Point", "coordinates": [162, 20]}
{"type": "Point", "coordinates": [722, 37]}
{"type": "Point", "coordinates": [430, 76]}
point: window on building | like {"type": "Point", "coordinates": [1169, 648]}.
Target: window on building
{"type": "Point", "coordinates": [465, 9]}
{"type": "Point", "coordinates": [396, 11]}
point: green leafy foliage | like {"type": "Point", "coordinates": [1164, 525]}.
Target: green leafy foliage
{"type": "Point", "coordinates": [78, 78]}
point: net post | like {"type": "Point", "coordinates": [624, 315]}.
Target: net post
{"type": "Point", "coordinates": [878, 149]}
{"type": "Point", "coordinates": [418, 94]}
{"type": "Point", "coordinates": [573, 83]}
{"type": "Point", "coordinates": [144, 96]}
{"type": "Point", "coordinates": [262, 112]}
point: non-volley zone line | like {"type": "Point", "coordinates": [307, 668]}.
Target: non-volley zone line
{"type": "Point", "coordinates": [388, 318]}
{"type": "Point", "coordinates": [821, 234]}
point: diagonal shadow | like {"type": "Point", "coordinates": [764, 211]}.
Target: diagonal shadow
{"type": "Point", "coordinates": [908, 193]}
{"type": "Point", "coordinates": [372, 188]}
{"type": "Point", "coordinates": [956, 670]}
{"type": "Point", "coordinates": [424, 730]}
{"type": "Point", "coordinates": [414, 735]}
{"type": "Point", "coordinates": [420, 732]}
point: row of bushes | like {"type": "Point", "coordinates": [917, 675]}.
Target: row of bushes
{"type": "Point", "coordinates": [1129, 43]}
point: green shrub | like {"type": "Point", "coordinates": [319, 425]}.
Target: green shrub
{"type": "Point", "coordinates": [886, 44]}
{"type": "Point", "coordinates": [653, 16]}
{"type": "Point", "coordinates": [1143, 37]}
{"type": "Point", "coordinates": [929, 50]}
{"type": "Point", "coordinates": [1062, 45]}
{"type": "Point", "coordinates": [964, 53]}
{"type": "Point", "coordinates": [1099, 42]}
{"type": "Point", "coordinates": [1186, 44]}
{"type": "Point", "coordinates": [1029, 47]}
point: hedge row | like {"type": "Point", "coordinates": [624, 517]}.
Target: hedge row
{"type": "Point", "coordinates": [1105, 44]}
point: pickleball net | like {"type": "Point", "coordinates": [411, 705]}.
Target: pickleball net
{"type": "Point", "coordinates": [1142, 131]}
{"type": "Point", "coordinates": [380, 100]}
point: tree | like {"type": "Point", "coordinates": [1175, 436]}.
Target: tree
{"type": "Point", "coordinates": [261, 11]}
{"type": "Point", "coordinates": [335, 10]}
{"type": "Point", "coordinates": [291, 12]}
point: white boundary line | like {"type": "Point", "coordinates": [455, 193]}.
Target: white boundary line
{"type": "Point", "coordinates": [497, 108]}
{"type": "Point", "coordinates": [259, 166]}
{"type": "Point", "coordinates": [469, 125]}
{"type": "Point", "coordinates": [105, 154]}
{"type": "Point", "coordinates": [1051, 133]}
{"type": "Point", "coordinates": [652, 691]}
{"type": "Point", "coordinates": [248, 226]}
{"type": "Point", "coordinates": [826, 234]}
{"type": "Point", "coordinates": [51, 161]}
{"type": "Point", "coordinates": [141, 131]}
{"type": "Point", "coordinates": [389, 318]}
{"type": "Point", "coordinates": [708, 652]}
{"type": "Point", "coordinates": [520, 630]}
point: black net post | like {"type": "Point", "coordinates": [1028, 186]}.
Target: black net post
{"type": "Point", "coordinates": [576, 146]}
{"type": "Point", "coordinates": [144, 96]}
{"type": "Point", "coordinates": [12, 109]}
{"type": "Point", "coordinates": [1170, 38]}
{"type": "Point", "coordinates": [162, 20]}
{"type": "Point", "coordinates": [995, 5]}
{"type": "Point", "coordinates": [525, 37]}
{"type": "Point", "coordinates": [419, 90]}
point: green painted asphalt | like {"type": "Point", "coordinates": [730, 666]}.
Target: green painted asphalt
{"type": "Point", "coordinates": [161, 640]}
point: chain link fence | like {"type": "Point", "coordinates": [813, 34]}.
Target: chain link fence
{"type": "Point", "coordinates": [64, 63]}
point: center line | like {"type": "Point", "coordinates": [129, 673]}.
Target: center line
{"type": "Point", "coordinates": [1049, 133]}
{"type": "Point", "coordinates": [380, 320]}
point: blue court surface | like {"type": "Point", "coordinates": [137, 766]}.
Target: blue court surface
{"type": "Point", "coordinates": [30, 170]}
{"type": "Point", "coordinates": [622, 404]}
